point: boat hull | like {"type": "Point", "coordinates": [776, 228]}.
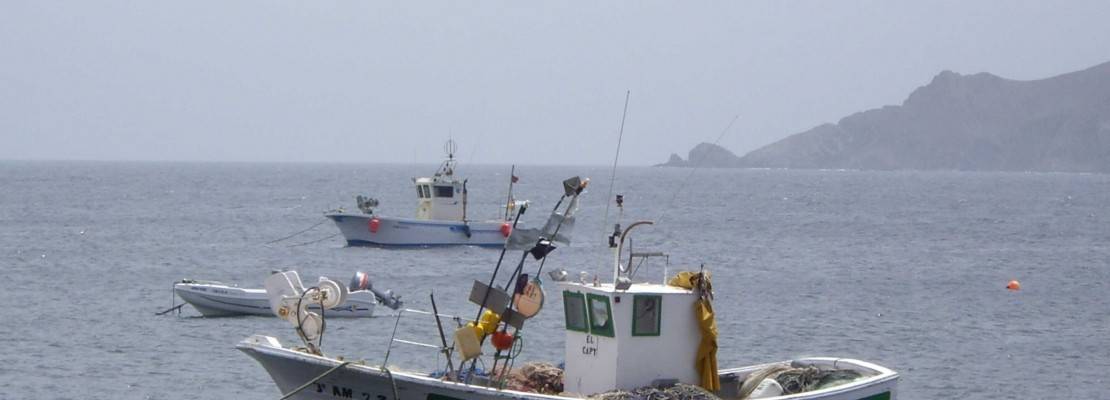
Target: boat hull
{"type": "Point", "coordinates": [217, 300]}
{"type": "Point", "coordinates": [290, 370]}
{"type": "Point", "coordinates": [393, 231]}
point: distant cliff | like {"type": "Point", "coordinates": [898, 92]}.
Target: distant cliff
{"type": "Point", "coordinates": [964, 122]}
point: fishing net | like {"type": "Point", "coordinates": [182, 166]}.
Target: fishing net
{"type": "Point", "coordinates": [680, 391]}
{"type": "Point", "coordinates": [797, 378]}
{"type": "Point", "coordinates": [537, 377]}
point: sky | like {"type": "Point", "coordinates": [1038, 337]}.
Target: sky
{"type": "Point", "coordinates": [510, 81]}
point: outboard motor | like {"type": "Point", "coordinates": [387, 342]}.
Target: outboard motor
{"type": "Point", "coordinates": [361, 281]}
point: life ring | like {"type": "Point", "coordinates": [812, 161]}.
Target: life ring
{"type": "Point", "coordinates": [506, 229]}
{"type": "Point", "coordinates": [373, 224]}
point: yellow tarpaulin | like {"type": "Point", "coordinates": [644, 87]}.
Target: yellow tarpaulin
{"type": "Point", "coordinates": [707, 350]}
{"type": "Point", "coordinates": [706, 361]}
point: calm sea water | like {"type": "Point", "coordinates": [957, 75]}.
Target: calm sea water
{"type": "Point", "coordinates": [906, 269]}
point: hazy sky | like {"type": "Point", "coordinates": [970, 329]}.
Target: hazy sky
{"type": "Point", "coordinates": [513, 82]}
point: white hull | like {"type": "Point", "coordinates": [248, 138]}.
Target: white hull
{"type": "Point", "coordinates": [213, 299]}
{"type": "Point", "coordinates": [394, 231]}
{"type": "Point", "coordinates": [291, 369]}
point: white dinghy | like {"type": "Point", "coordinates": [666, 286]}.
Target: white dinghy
{"type": "Point", "coordinates": [623, 340]}
{"type": "Point", "coordinates": [441, 216]}
{"type": "Point", "coordinates": [217, 299]}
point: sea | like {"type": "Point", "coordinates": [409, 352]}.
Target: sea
{"type": "Point", "coordinates": [904, 269]}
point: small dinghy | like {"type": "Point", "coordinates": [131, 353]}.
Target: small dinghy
{"type": "Point", "coordinates": [626, 339]}
{"type": "Point", "coordinates": [441, 216]}
{"type": "Point", "coordinates": [217, 299]}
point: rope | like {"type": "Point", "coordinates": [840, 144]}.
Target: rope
{"type": "Point", "coordinates": [177, 307]}
{"type": "Point", "coordinates": [392, 382]}
{"type": "Point", "coordinates": [316, 379]}
{"type": "Point", "coordinates": [313, 242]}
{"type": "Point", "coordinates": [298, 233]}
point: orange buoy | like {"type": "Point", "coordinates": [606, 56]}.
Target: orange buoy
{"type": "Point", "coordinates": [506, 229]}
{"type": "Point", "coordinates": [373, 224]}
{"type": "Point", "coordinates": [1014, 285]}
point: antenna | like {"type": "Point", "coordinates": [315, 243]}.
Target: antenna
{"type": "Point", "coordinates": [450, 147]}
{"type": "Point", "coordinates": [613, 175]}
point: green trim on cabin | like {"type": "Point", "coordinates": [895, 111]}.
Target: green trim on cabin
{"type": "Point", "coordinates": [567, 295]}
{"type": "Point", "coordinates": [658, 314]}
{"type": "Point", "coordinates": [603, 330]}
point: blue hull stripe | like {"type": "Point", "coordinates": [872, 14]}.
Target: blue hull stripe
{"type": "Point", "coordinates": [376, 244]}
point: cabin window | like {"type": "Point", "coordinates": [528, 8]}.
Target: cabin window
{"type": "Point", "coordinates": [601, 315]}
{"type": "Point", "coordinates": [419, 191]}
{"type": "Point", "coordinates": [646, 315]}
{"type": "Point", "coordinates": [445, 191]}
{"type": "Point", "coordinates": [425, 192]}
{"type": "Point", "coordinates": [574, 305]}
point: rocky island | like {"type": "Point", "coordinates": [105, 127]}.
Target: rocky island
{"type": "Point", "coordinates": [956, 122]}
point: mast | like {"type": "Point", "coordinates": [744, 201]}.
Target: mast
{"type": "Point", "coordinates": [509, 199]}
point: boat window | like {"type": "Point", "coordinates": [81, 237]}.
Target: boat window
{"type": "Point", "coordinates": [425, 192]}
{"type": "Point", "coordinates": [646, 315]}
{"type": "Point", "coordinates": [601, 321]}
{"type": "Point", "coordinates": [574, 305]}
{"type": "Point", "coordinates": [445, 191]}
{"type": "Point", "coordinates": [419, 191]}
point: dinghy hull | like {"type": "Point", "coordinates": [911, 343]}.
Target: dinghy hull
{"type": "Point", "coordinates": [361, 230]}
{"type": "Point", "coordinates": [292, 370]}
{"type": "Point", "coordinates": [218, 300]}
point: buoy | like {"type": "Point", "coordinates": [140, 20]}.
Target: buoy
{"type": "Point", "coordinates": [374, 223]}
{"type": "Point", "coordinates": [502, 340]}
{"type": "Point", "coordinates": [1014, 285]}
{"type": "Point", "coordinates": [506, 229]}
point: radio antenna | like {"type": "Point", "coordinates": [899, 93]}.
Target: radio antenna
{"type": "Point", "coordinates": [613, 175]}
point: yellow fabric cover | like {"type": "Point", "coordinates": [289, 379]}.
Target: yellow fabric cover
{"type": "Point", "coordinates": [707, 349]}
{"type": "Point", "coordinates": [706, 361]}
{"type": "Point", "coordinates": [683, 280]}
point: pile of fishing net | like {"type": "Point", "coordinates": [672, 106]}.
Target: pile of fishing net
{"type": "Point", "coordinates": [679, 391]}
{"type": "Point", "coordinates": [793, 379]}
{"type": "Point", "coordinates": [537, 377]}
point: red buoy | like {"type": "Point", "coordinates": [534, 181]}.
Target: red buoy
{"type": "Point", "coordinates": [374, 223]}
{"type": "Point", "coordinates": [1014, 285]}
{"type": "Point", "coordinates": [506, 229]}
{"type": "Point", "coordinates": [502, 340]}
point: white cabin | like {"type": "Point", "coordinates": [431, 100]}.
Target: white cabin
{"type": "Point", "coordinates": [441, 197]}
{"type": "Point", "coordinates": [626, 339]}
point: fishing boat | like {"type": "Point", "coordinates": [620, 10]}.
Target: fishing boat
{"type": "Point", "coordinates": [624, 339]}
{"type": "Point", "coordinates": [441, 216]}
{"type": "Point", "coordinates": [218, 299]}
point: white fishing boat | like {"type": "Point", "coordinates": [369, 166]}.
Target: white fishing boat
{"type": "Point", "coordinates": [441, 216]}
{"type": "Point", "coordinates": [217, 299]}
{"type": "Point", "coordinates": [625, 339]}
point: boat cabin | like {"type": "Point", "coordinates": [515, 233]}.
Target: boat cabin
{"type": "Point", "coordinates": [441, 196]}
{"type": "Point", "coordinates": [442, 199]}
{"type": "Point", "coordinates": [644, 335]}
